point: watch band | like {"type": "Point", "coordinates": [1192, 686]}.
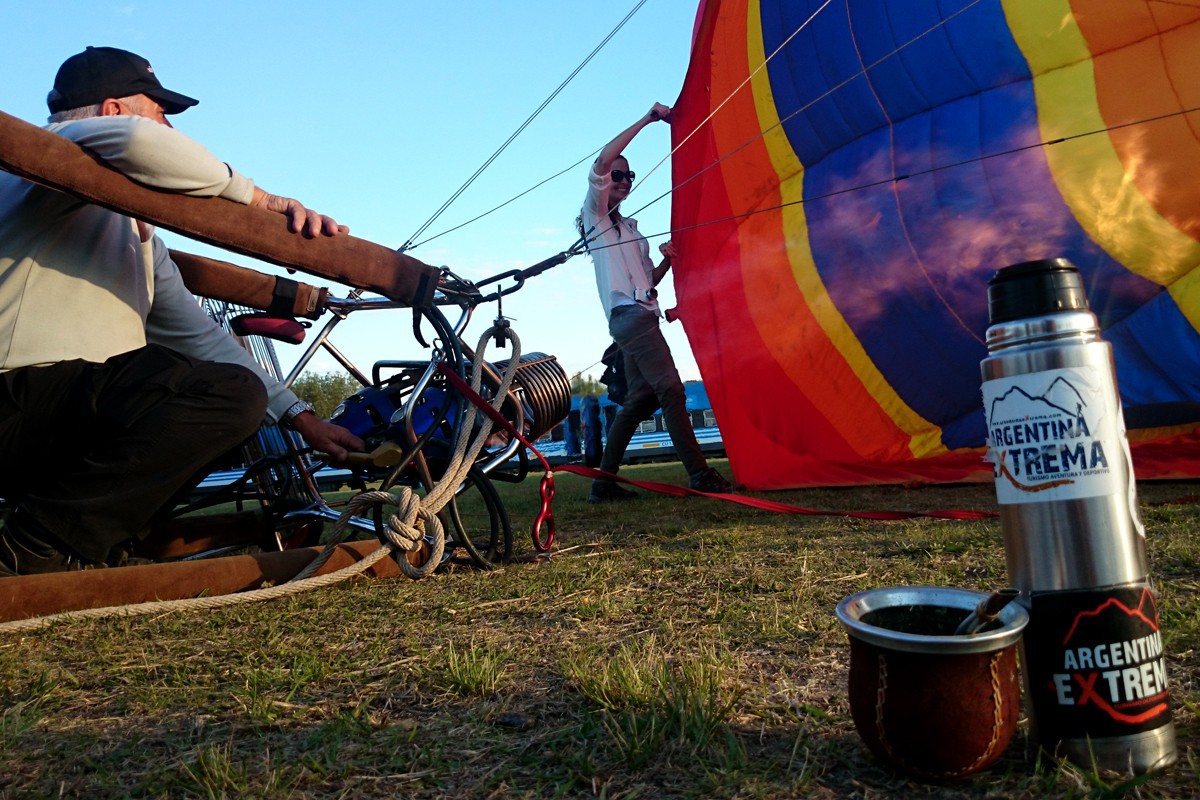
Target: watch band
{"type": "Point", "coordinates": [294, 410]}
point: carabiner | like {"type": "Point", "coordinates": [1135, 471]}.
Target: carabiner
{"type": "Point", "coordinates": [545, 516]}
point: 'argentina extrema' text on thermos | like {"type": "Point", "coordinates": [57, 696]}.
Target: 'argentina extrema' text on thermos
{"type": "Point", "coordinates": [1095, 675]}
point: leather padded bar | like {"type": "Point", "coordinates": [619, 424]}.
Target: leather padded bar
{"type": "Point", "coordinates": [51, 160]}
{"type": "Point", "coordinates": [221, 280]}
{"type": "Point", "coordinates": [39, 595]}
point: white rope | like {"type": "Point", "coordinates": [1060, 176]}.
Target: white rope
{"type": "Point", "coordinates": [415, 524]}
{"type": "Point", "coordinates": [190, 604]}
{"type": "Point", "coordinates": [465, 451]}
{"type": "Point", "coordinates": [418, 521]}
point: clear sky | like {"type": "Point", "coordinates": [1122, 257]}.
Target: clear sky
{"type": "Point", "coordinates": [377, 112]}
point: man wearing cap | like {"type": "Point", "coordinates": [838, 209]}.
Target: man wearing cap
{"type": "Point", "coordinates": [116, 389]}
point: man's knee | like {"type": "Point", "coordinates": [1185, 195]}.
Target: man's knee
{"type": "Point", "coordinates": [130, 386]}
{"type": "Point", "coordinates": [237, 391]}
{"type": "Point", "coordinates": [225, 401]}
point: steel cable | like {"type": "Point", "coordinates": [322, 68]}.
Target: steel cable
{"type": "Point", "coordinates": [408, 244]}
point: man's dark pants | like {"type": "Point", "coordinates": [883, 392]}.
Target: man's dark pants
{"type": "Point", "coordinates": [653, 381]}
{"type": "Point", "coordinates": [93, 452]}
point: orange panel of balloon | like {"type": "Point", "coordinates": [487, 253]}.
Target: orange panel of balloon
{"type": "Point", "coordinates": [849, 176]}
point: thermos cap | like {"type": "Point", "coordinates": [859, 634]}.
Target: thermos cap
{"type": "Point", "coordinates": [1035, 288]}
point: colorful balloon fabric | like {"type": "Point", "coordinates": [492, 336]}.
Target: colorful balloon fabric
{"type": "Point", "coordinates": [840, 210]}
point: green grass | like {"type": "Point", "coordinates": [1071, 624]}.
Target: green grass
{"type": "Point", "coordinates": [674, 648]}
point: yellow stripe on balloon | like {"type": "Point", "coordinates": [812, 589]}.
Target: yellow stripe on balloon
{"type": "Point", "coordinates": [924, 437]}
{"type": "Point", "coordinates": [1088, 170]}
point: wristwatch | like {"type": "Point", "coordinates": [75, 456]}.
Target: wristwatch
{"type": "Point", "coordinates": [294, 410]}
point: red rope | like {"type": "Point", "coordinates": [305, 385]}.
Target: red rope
{"type": "Point", "coordinates": [547, 515]}
{"type": "Point", "coordinates": [771, 505]}
{"type": "Point", "coordinates": [542, 541]}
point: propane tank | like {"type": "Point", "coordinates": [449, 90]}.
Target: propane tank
{"type": "Point", "coordinates": [1092, 654]}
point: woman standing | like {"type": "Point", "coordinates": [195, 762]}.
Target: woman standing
{"type": "Point", "coordinates": [626, 277]}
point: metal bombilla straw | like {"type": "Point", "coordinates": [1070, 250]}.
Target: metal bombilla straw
{"type": "Point", "coordinates": [988, 609]}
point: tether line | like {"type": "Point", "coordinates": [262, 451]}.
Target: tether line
{"type": "Point", "coordinates": [509, 200]}
{"type": "Point", "coordinates": [896, 179]}
{"type": "Point", "coordinates": [799, 110]}
{"type": "Point", "coordinates": [759, 68]}
{"type": "Point", "coordinates": [408, 245]}
{"type": "Point", "coordinates": [590, 236]}
{"type": "Point", "coordinates": [922, 172]}
{"type": "Point", "coordinates": [586, 238]}
{"type": "Point", "coordinates": [731, 95]}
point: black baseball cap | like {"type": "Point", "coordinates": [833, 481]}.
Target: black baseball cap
{"type": "Point", "coordinates": [98, 73]}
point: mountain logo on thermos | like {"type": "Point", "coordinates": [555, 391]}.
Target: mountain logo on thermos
{"type": "Point", "coordinates": [1045, 439]}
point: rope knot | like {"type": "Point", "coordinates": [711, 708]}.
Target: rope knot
{"type": "Point", "coordinates": [410, 528]}
{"type": "Point", "coordinates": [406, 528]}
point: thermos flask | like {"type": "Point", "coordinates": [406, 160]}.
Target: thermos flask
{"type": "Point", "coordinates": [1092, 656]}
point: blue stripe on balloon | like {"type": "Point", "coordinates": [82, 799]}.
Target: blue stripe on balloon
{"type": "Point", "coordinates": [907, 264]}
{"type": "Point", "coordinates": [1147, 372]}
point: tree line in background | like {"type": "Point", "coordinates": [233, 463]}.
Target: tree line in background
{"type": "Point", "coordinates": [326, 390]}
{"type": "Point", "coordinates": [583, 385]}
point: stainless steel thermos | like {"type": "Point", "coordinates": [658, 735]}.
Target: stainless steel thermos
{"type": "Point", "coordinates": [1092, 656]}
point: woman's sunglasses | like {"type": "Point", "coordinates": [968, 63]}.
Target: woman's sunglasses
{"type": "Point", "coordinates": [619, 176]}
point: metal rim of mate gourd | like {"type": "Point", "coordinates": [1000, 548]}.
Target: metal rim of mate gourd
{"type": "Point", "coordinates": [851, 610]}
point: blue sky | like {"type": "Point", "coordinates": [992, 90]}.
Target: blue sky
{"type": "Point", "coordinates": [377, 112]}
